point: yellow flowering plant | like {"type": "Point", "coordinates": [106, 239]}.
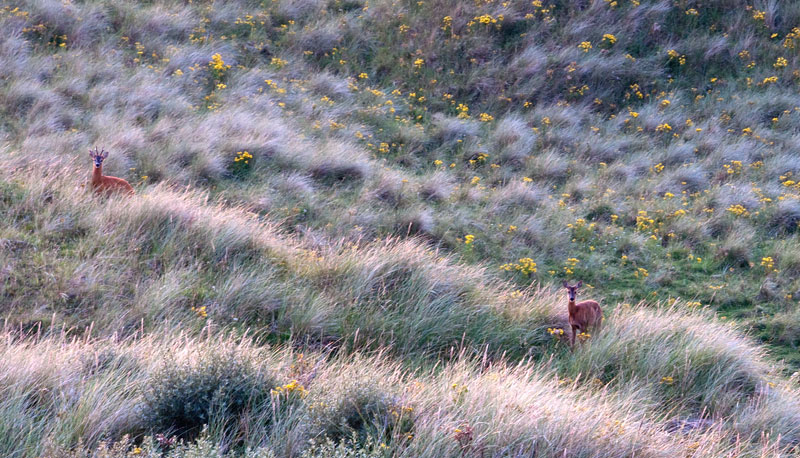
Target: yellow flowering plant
{"type": "Point", "coordinates": [242, 164]}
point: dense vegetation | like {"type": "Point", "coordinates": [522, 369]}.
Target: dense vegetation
{"type": "Point", "coordinates": [351, 215]}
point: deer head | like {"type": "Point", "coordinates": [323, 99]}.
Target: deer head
{"type": "Point", "coordinates": [573, 290]}
{"type": "Point", "coordinates": [98, 156]}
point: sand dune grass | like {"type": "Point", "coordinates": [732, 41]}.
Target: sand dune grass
{"type": "Point", "coordinates": [412, 177]}
{"type": "Point", "coordinates": [96, 389]}
{"type": "Point", "coordinates": [651, 367]}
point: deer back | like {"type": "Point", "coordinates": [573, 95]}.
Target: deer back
{"type": "Point", "coordinates": [110, 184]}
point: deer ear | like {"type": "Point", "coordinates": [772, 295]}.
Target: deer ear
{"type": "Point", "coordinates": [91, 154]}
{"type": "Point", "coordinates": [580, 283]}
{"type": "Point", "coordinates": [105, 154]}
{"type": "Point", "coordinates": [566, 285]}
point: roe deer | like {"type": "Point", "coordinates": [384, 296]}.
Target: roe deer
{"type": "Point", "coordinates": [583, 315]}
{"type": "Point", "coordinates": [104, 184]}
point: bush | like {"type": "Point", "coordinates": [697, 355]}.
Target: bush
{"type": "Point", "coordinates": [151, 447]}
{"type": "Point", "coordinates": [361, 412]}
{"type": "Point", "coordinates": [343, 449]}
{"type": "Point", "coordinates": [181, 398]}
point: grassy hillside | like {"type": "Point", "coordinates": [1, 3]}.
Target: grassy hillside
{"type": "Point", "coordinates": [394, 189]}
{"type": "Point", "coordinates": [272, 402]}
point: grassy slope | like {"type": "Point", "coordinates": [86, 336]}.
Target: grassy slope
{"type": "Point", "coordinates": [614, 199]}
{"type": "Point", "coordinates": [145, 262]}
{"type": "Point", "coordinates": [365, 121]}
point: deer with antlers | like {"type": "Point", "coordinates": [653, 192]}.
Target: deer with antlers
{"type": "Point", "coordinates": [105, 184]}
{"type": "Point", "coordinates": [583, 315]}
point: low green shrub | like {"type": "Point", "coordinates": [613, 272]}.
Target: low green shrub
{"type": "Point", "coordinates": [345, 448]}
{"type": "Point", "coordinates": [182, 397]}
{"type": "Point", "coordinates": [362, 412]}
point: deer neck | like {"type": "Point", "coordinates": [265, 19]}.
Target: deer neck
{"type": "Point", "coordinates": [97, 175]}
{"type": "Point", "coordinates": [571, 307]}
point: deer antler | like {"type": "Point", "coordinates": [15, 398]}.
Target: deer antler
{"type": "Point", "coordinates": [106, 184]}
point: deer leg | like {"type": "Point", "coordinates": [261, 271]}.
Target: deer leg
{"type": "Point", "coordinates": [572, 337]}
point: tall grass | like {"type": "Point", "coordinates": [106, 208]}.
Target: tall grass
{"type": "Point", "coordinates": [369, 149]}
{"type": "Point", "coordinates": [398, 297]}
{"type": "Point", "coordinates": [418, 175]}
{"type": "Point", "coordinates": [93, 390]}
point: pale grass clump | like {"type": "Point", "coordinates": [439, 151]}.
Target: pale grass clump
{"type": "Point", "coordinates": [450, 130]}
{"type": "Point", "coordinates": [744, 150]}
{"type": "Point", "coordinates": [529, 64]}
{"type": "Point", "coordinates": [417, 220]}
{"type": "Point", "coordinates": [518, 196]}
{"type": "Point", "coordinates": [390, 187]}
{"type": "Point", "coordinates": [579, 189]}
{"type": "Point", "coordinates": [789, 259]}
{"type": "Point", "coordinates": [519, 410]}
{"type": "Point", "coordinates": [298, 9]}
{"type": "Point", "coordinates": [340, 162]}
{"type": "Point", "coordinates": [330, 85]}
{"type": "Point", "coordinates": [541, 234]}
{"type": "Point", "coordinates": [54, 376]}
{"type": "Point", "coordinates": [784, 328]}
{"type": "Point", "coordinates": [512, 141]}
{"type": "Point", "coordinates": [678, 154]}
{"type": "Point", "coordinates": [734, 193]}
{"type": "Point", "coordinates": [436, 187]}
{"type": "Point", "coordinates": [781, 163]}
{"type": "Point", "coordinates": [98, 388]}
{"type": "Point", "coordinates": [547, 167]}
{"type": "Point", "coordinates": [156, 25]}
{"type": "Point", "coordinates": [568, 117]}
{"type": "Point", "coordinates": [190, 55]}
{"type": "Point", "coordinates": [21, 96]}
{"type": "Point", "coordinates": [204, 166]}
{"type": "Point", "coordinates": [152, 100]}
{"type": "Point", "coordinates": [505, 409]}
{"type": "Point", "coordinates": [16, 51]}
{"type": "Point", "coordinates": [319, 39]}
{"type": "Point", "coordinates": [692, 178]}
{"type": "Point", "coordinates": [623, 174]}
{"type": "Point", "coordinates": [605, 150]}
{"type": "Point", "coordinates": [164, 217]}
{"type": "Point", "coordinates": [162, 224]}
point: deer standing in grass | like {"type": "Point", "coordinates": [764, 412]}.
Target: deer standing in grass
{"type": "Point", "coordinates": [105, 184]}
{"type": "Point", "coordinates": [583, 315]}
